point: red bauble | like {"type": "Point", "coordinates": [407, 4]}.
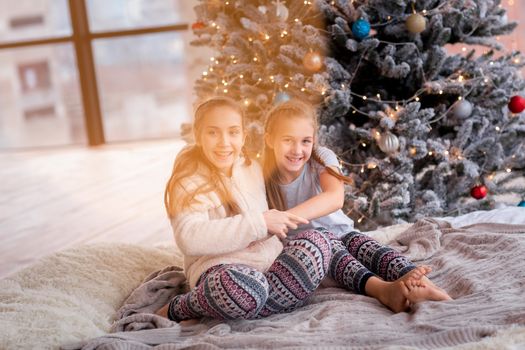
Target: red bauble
{"type": "Point", "coordinates": [517, 104]}
{"type": "Point", "coordinates": [479, 191]}
{"type": "Point", "coordinates": [198, 25]}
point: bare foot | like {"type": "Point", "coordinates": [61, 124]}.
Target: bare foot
{"type": "Point", "coordinates": [394, 294]}
{"type": "Point", "coordinates": [163, 311]}
{"type": "Point", "coordinates": [423, 289]}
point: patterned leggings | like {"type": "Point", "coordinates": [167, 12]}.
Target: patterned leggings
{"type": "Point", "coordinates": [232, 291]}
{"type": "Point", "coordinates": [356, 257]}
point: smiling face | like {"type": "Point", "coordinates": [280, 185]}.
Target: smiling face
{"type": "Point", "coordinates": [221, 137]}
{"type": "Point", "coordinates": [291, 141]}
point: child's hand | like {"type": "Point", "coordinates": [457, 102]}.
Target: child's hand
{"type": "Point", "coordinates": [279, 222]}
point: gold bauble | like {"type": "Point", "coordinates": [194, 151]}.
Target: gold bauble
{"type": "Point", "coordinates": [313, 61]}
{"type": "Point", "coordinates": [416, 23]}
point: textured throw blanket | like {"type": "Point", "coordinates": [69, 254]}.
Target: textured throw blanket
{"type": "Point", "coordinates": [481, 266]}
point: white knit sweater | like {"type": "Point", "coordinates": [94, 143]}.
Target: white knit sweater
{"type": "Point", "coordinates": [207, 237]}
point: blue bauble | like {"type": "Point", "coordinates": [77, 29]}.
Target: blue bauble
{"type": "Point", "coordinates": [280, 98]}
{"type": "Point", "coordinates": [360, 29]}
{"type": "Point", "coordinates": [522, 204]}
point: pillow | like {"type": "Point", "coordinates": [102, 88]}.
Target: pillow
{"type": "Point", "coordinates": [73, 295]}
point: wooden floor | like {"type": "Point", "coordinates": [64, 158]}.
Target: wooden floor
{"type": "Point", "coordinates": [53, 199]}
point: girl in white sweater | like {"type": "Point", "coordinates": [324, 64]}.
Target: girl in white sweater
{"type": "Point", "coordinates": [233, 258]}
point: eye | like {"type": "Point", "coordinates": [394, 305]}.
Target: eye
{"type": "Point", "coordinates": [211, 132]}
{"type": "Point", "coordinates": [307, 141]}
{"type": "Point", "coordinates": [235, 132]}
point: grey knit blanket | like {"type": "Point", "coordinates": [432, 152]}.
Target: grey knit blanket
{"type": "Point", "coordinates": [481, 266]}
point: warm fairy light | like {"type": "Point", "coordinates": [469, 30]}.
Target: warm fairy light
{"type": "Point", "coordinates": [486, 80]}
{"type": "Point", "coordinates": [272, 77]}
{"type": "Point", "coordinates": [378, 96]}
{"type": "Point", "coordinates": [360, 219]}
{"type": "Point", "coordinates": [241, 76]}
{"type": "Point", "coordinates": [371, 165]}
{"type": "Point", "coordinates": [213, 24]}
{"type": "Point", "coordinates": [211, 69]}
{"type": "Point", "coordinates": [417, 99]}
{"type": "Point", "coordinates": [303, 89]}
{"type": "Point", "coordinates": [460, 78]}
{"type": "Point", "coordinates": [491, 63]}
{"type": "Point", "coordinates": [212, 59]}
{"type": "Point", "coordinates": [516, 60]}
{"type": "Point", "coordinates": [296, 20]}
{"type": "Point", "coordinates": [441, 92]}
{"type": "Point", "coordinates": [447, 153]}
{"type": "Point", "coordinates": [424, 12]}
{"type": "Point", "coordinates": [216, 61]}
{"type": "Point", "coordinates": [364, 98]}
{"type": "Point", "coordinates": [342, 86]}
{"type": "Point", "coordinates": [250, 39]}
{"type": "Point", "coordinates": [460, 98]}
{"type": "Point", "coordinates": [246, 102]}
{"type": "Point", "coordinates": [286, 85]}
{"type": "Point", "coordinates": [258, 155]}
{"type": "Point", "coordinates": [205, 73]}
{"type": "Point", "coordinates": [266, 36]}
{"type": "Point", "coordinates": [463, 49]}
{"type": "Point", "coordinates": [225, 91]}
{"type": "Point", "coordinates": [498, 128]}
{"type": "Point", "coordinates": [413, 151]}
{"type": "Point", "coordinates": [430, 153]}
{"type": "Point", "coordinates": [255, 59]}
{"type": "Point", "coordinates": [259, 80]}
{"type": "Point", "coordinates": [508, 170]}
{"type": "Point", "coordinates": [363, 144]}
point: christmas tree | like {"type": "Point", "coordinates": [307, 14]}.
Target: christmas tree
{"type": "Point", "coordinates": [422, 130]}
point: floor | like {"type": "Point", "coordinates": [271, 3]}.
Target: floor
{"type": "Point", "coordinates": [55, 198]}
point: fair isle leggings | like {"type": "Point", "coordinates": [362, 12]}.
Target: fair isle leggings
{"type": "Point", "coordinates": [238, 291]}
{"type": "Point", "coordinates": [232, 291]}
{"type": "Point", "coordinates": [356, 257]}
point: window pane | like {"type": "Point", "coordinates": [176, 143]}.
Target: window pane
{"type": "Point", "coordinates": [143, 86]}
{"type": "Point", "coordinates": [29, 19]}
{"type": "Point", "coordinates": [40, 103]}
{"type": "Point", "coordinates": [126, 14]}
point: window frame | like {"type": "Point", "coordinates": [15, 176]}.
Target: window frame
{"type": "Point", "coordinates": [82, 39]}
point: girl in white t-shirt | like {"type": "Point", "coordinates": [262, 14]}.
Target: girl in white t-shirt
{"type": "Point", "coordinates": [304, 179]}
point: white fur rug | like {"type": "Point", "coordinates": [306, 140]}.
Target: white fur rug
{"type": "Point", "coordinates": [73, 295]}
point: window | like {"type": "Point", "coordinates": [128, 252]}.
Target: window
{"type": "Point", "coordinates": [76, 72]}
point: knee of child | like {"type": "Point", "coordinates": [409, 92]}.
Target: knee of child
{"type": "Point", "coordinates": [320, 239]}
{"type": "Point", "coordinates": [251, 286]}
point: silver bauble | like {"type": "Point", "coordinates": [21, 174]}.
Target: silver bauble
{"type": "Point", "coordinates": [388, 142]}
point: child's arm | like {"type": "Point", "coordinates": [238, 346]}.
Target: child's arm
{"type": "Point", "coordinates": [329, 200]}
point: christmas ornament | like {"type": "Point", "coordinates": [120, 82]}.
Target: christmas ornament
{"type": "Point", "coordinates": [280, 98]}
{"type": "Point", "coordinates": [416, 23]}
{"type": "Point", "coordinates": [312, 61]}
{"type": "Point", "coordinates": [262, 9]}
{"type": "Point", "coordinates": [521, 204]}
{"type": "Point", "coordinates": [360, 29]}
{"type": "Point", "coordinates": [281, 11]}
{"type": "Point", "coordinates": [198, 25]}
{"type": "Point", "coordinates": [388, 142]}
{"type": "Point", "coordinates": [462, 109]}
{"type": "Point", "coordinates": [517, 104]}
{"type": "Point", "coordinates": [478, 191]}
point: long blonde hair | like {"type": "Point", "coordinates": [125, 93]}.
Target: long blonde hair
{"type": "Point", "coordinates": [191, 160]}
{"type": "Point", "coordinates": [289, 109]}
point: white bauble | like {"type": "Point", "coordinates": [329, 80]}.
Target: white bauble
{"type": "Point", "coordinates": [462, 109]}
{"type": "Point", "coordinates": [281, 11]}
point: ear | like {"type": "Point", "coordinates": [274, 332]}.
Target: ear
{"type": "Point", "coordinates": [268, 140]}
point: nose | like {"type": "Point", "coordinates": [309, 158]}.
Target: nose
{"type": "Point", "coordinates": [223, 140]}
{"type": "Point", "coordinates": [296, 148]}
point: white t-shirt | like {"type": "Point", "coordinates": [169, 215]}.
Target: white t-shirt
{"type": "Point", "coordinates": [307, 185]}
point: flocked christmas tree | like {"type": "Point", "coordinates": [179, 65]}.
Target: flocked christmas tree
{"type": "Point", "coordinates": [421, 130]}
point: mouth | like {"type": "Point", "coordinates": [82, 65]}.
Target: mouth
{"type": "Point", "coordinates": [222, 156]}
{"type": "Point", "coordinates": [294, 160]}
